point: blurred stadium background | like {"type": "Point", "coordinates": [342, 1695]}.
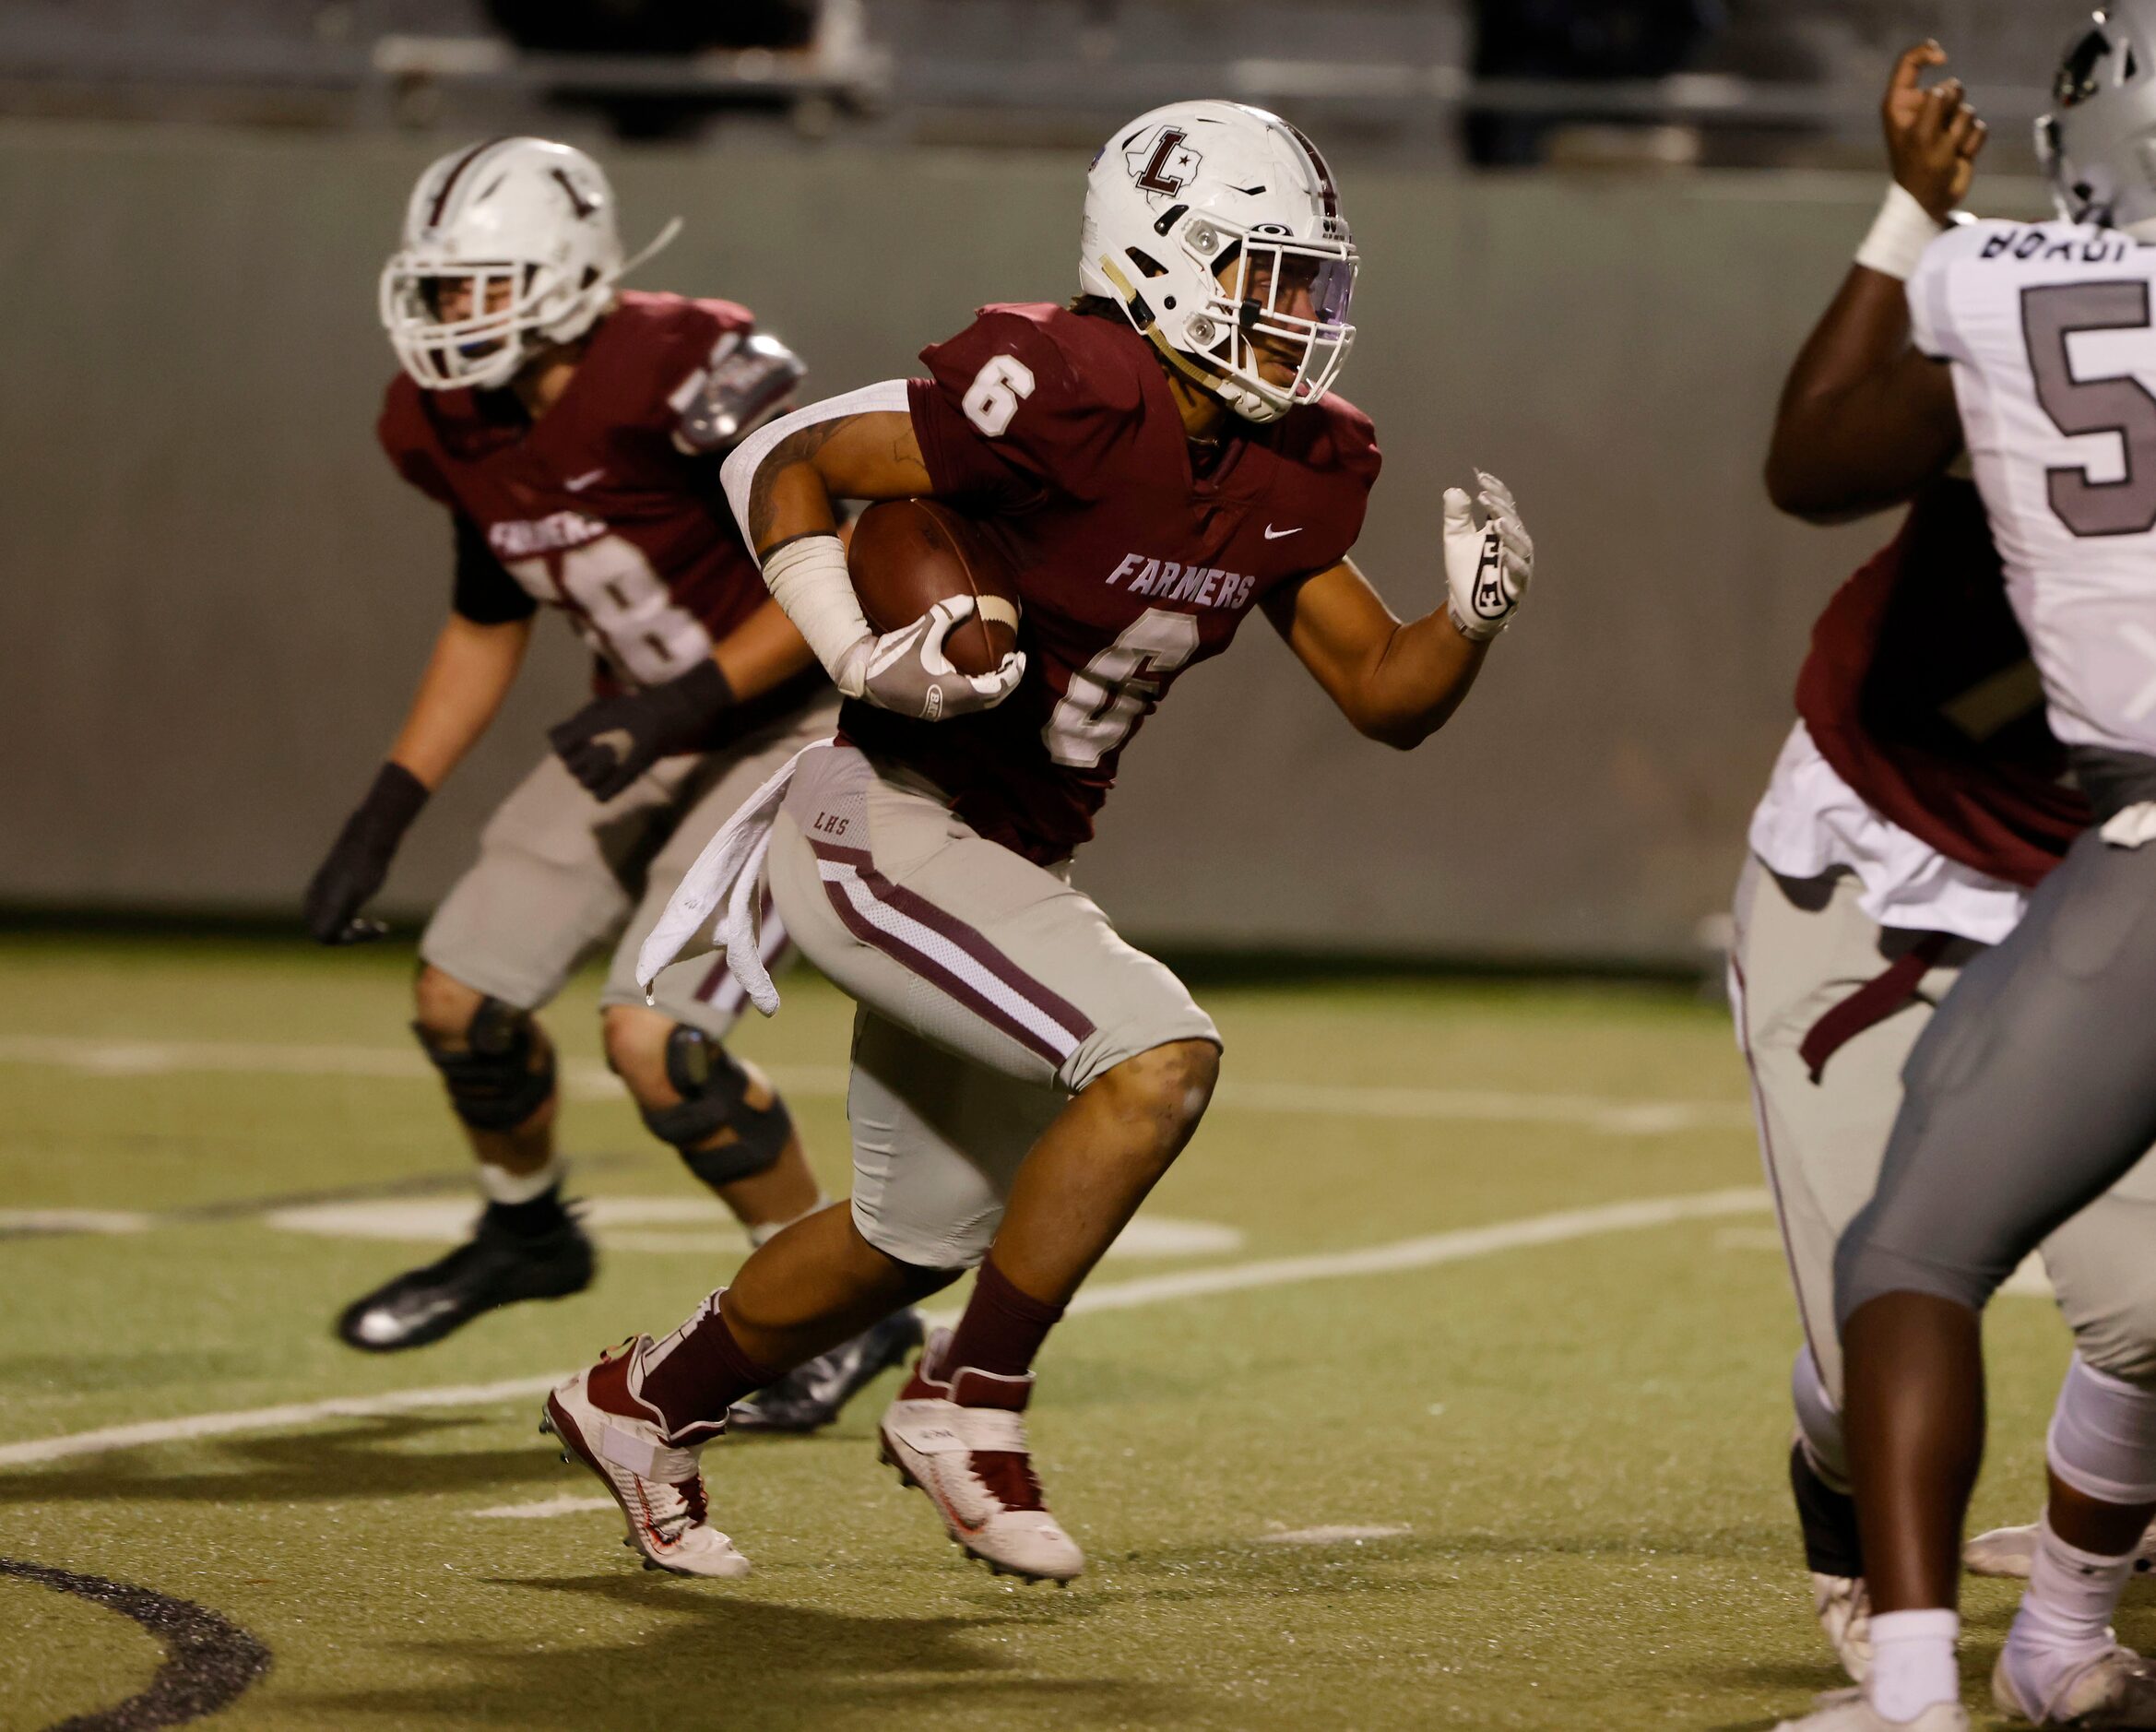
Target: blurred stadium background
{"type": "Point", "coordinates": [1593, 234]}
{"type": "Point", "coordinates": [1594, 231]}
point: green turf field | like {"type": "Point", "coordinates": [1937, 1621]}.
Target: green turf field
{"type": "Point", "coordinates": [1565, 1443]}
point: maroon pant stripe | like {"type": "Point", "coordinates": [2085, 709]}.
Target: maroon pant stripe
{"type": "Point", "coordinates": [937, 975]}
{"type": "Point", "coordinates": [947, 926]}
{"type": "Point", "coordinates": [970, 941]}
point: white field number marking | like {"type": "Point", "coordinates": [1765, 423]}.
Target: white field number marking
{"type": "Point", "coordinates": [994, 396]}
{"type": "Point", "coordinates": [1428, 1252]}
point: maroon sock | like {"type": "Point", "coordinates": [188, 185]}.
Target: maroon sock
{"type": "Point", "coordinates": [701, 1372]}
{"type": "Point", "coordinates": [1003, 1328]}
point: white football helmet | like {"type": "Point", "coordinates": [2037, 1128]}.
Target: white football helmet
{"type": "Point", "coordinates": [1216, 228]}
{"type": "Point", "coordinates": [529, 225]}
{"type": "Point", "coordinates": [2098, 146]}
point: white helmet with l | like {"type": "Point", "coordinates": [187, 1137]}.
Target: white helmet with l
{"type": "Point", "coordinates": [1216, 228]}
{"type": "Point", "coordinates": [530, 226]}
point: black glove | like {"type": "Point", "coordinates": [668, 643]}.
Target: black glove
{"type": "Point", "coordinates": [612, 741]}
{"type": "Point", "coordinates": [358, 860]}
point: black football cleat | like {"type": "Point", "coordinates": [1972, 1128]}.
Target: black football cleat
{"type": "Point", "coordinates": [496, 1267]}
{"type": "Point", "coordinates": [810, 1395]}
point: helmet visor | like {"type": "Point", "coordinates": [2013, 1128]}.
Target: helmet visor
{"type": "Point", "coordinates": [1290, 305]}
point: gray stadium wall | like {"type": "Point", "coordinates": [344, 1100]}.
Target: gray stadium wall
{"type": "Point", "coordinates": [217, 595]}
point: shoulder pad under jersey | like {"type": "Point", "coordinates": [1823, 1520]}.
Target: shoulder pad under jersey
{"type": "Point", "coordinates": [748, 380]}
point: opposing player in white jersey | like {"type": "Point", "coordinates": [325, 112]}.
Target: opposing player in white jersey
{"type": "Point", "coordinates": [1918, 802]}
{"type": "Point", "coordinates": [2033, 1089]}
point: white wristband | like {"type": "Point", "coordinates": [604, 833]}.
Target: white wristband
{"type": "Point", "coordinates": [1900, 233]}
{"type": "Point", "coordinates": [807, 579]}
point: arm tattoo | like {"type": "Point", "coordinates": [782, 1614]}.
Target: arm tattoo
{"type": "Point", "coordinates": [906, 472]}
{"type": "Point", "coordinates": [799, 447]}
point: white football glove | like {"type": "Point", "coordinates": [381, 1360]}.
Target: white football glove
{"type": "Point", "coordinates": [906, 670]}
{"type": "Point", "coordinates": [1488, 568]}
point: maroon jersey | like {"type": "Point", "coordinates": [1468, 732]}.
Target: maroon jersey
{"type": "Point", "coordinates": [598, 507]}
{"type": "Point", "coordinates": [1919, 691]}
{"type": "Point", "coordinates": [1058, 432]}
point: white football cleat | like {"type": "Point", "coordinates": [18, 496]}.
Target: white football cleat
{"type": "Point", "coordinates": [1844, 1608]}
{"type": "Point", "coordinates": [2114, 1688]}
{"type": "Point", "coordinates": [2006, 1551]}
{"type": "Point", "coordinates": [960, 1436]}
{"type": "Point", "coordinates": [659, 1485]}
{"type": "Point", "coordinates": [1846, 1711]}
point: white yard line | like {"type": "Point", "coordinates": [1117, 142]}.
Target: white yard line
{"type": "Point", "coordinates": [588, 1079]}
{"type": "Point", "coordinates": [1428, 1252]}
{"type": "Point", "coordinates": [288, 1418]}
{"type": "Point", "coordinates": [566, 1505]}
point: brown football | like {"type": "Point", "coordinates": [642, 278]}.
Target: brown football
{"type": "Point", "coordinates": [909, 555]}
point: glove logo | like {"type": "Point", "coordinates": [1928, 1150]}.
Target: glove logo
{"type": "Point", "coordinates": [1489, 582]}
{"type": "Point", "coordinates": [1163, 165]}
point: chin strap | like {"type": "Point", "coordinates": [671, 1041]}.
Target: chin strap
{"type": "Point", "coordinates": [1240, 400]}
{"type": "Point", "coordinates": [660, 242]}
{"type": "Point", "coordinates": [600, 287]}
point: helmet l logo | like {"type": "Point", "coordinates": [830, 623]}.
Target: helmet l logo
{"type": "Point", "coordinates": [582, 206]}
{"type": "Point", "coordinates": [1166, 166]}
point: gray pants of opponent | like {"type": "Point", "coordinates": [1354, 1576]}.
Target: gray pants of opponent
{"type": "Point", "coordinates": [1802, 947]}
{"type": "Point", "coordinates": [2032, 1094]}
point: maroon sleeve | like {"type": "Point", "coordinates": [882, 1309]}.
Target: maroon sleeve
{"type": "Point", "coordinates": [683, 345]}
{"type": "Point", "coordinates": [409, 441]}
{"type": "Point", "coordinates": [1342, 457]}
{"type": "Point", "coordinates": [649, 349]}
{"type": "Point", "coordinates": [1040, 419]}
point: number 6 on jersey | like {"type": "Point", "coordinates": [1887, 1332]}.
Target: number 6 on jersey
{"type": "Point", "coordinates": [996, 392]}
{"type": "Point", "coordinates": [1109, 695]}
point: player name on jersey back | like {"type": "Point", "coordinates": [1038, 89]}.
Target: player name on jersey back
{"type": "Point", "coordinates": [2048, 329]}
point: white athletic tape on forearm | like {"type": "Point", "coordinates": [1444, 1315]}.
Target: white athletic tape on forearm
{"type": "Point", "coordinates": [738, 473]}
{"type": "Point", "coordinates": [997, 611]}
{"type": "Point", "coordinates": [1898, 235]}
{"type": "Point", "coordinates": [808, 578]}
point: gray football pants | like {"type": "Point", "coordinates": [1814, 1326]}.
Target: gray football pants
{"type": "Point", "coordinates": [2032, 1093]}
{"type": "Point", "coordinates": [1801, 947]}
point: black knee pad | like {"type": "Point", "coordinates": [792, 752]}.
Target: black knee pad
{"type": "Point", "coordinates": [493, 1084]}
{"type": "Point", "coordinates": [715, 1097]}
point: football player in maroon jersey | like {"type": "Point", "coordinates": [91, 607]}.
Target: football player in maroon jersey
{"type": "Point", "coordinates": [1158, 461]}
{"type": "Point", "coordinates": [574, 432]}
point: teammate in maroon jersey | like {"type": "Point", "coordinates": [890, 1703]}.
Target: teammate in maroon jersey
{"type": "Point", "coordinates": [574, 432]}
{"type": "Point", "coordinates": [1159, 460]}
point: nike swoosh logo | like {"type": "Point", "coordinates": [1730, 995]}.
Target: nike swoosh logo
{"type": "Point", "coordinates": [1273, 535]}
{"type": "Point", "coordinates": [577, 483]}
